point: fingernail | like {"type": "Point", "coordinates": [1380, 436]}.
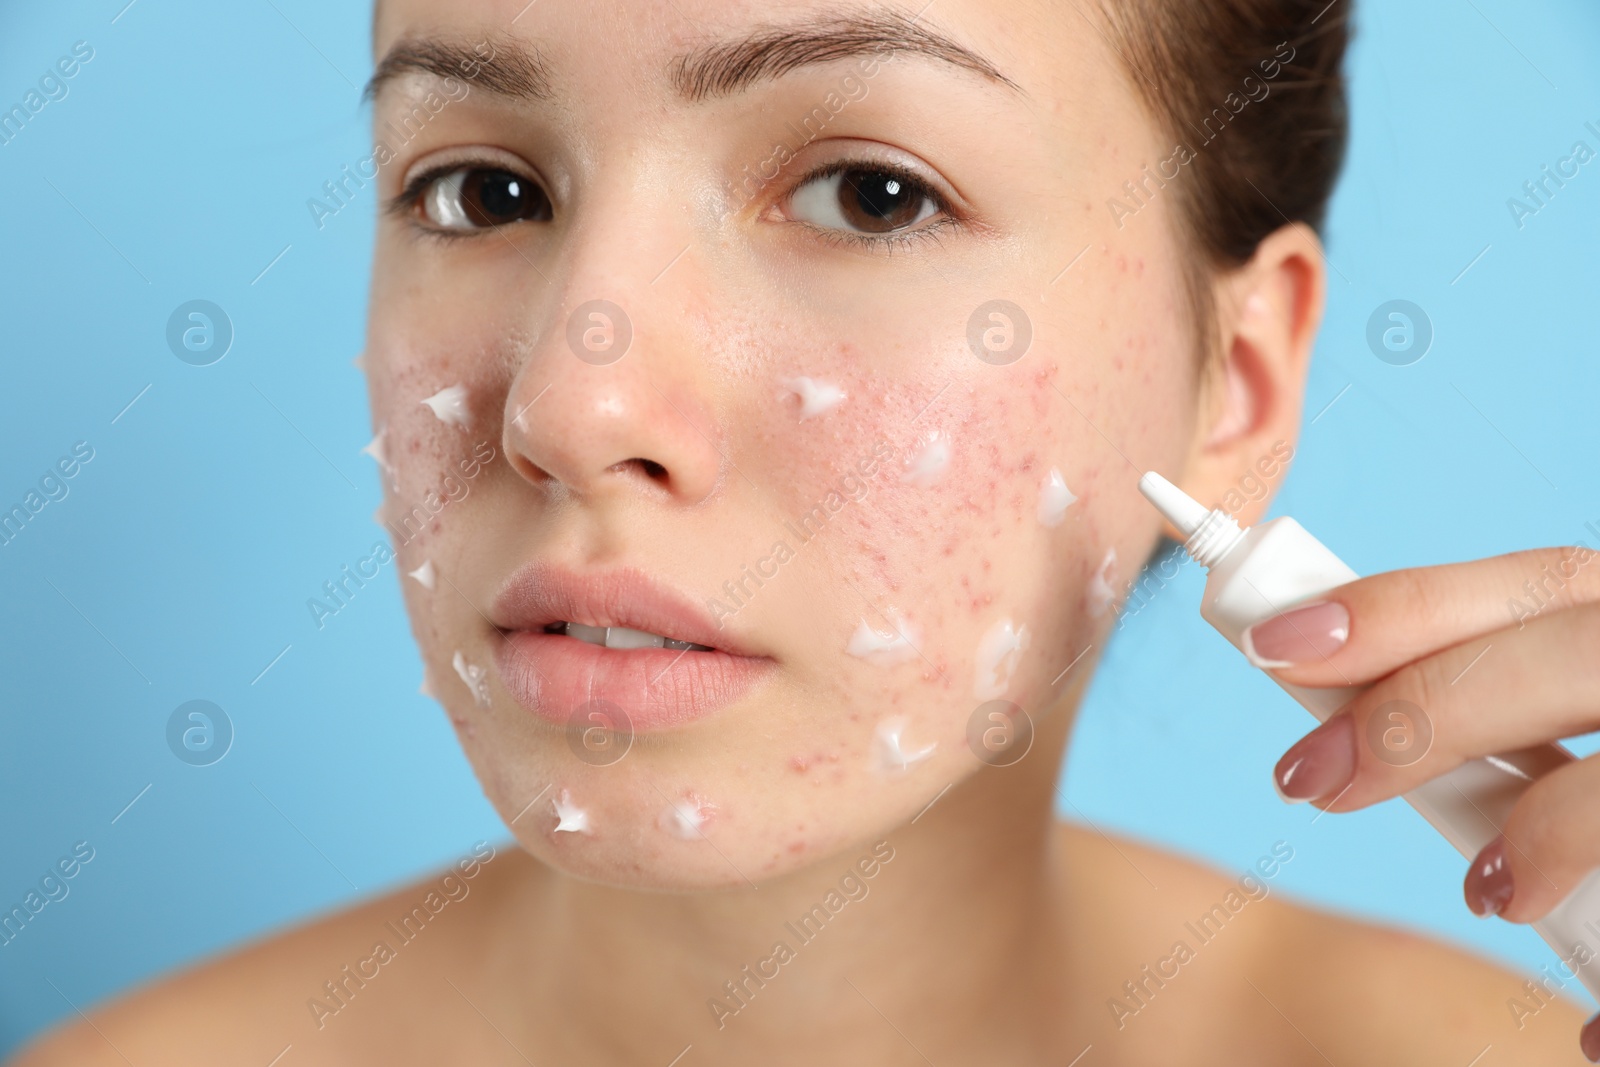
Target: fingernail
{"type": "Point", "coordinates": [1299, 635]}
{"type": "Point", "coordinates": [1488, 886]}
{"type": "Point", "coordinates": [1589, 1039]}
{"type": "Point", "coordinates": [1320, 763]}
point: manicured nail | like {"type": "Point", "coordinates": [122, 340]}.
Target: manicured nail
{"type": "Point", "coordinates": [1320, 763]}
{"type": "Point", "coordinates": [1589, 1039]}
{"type": "Point", "coordinates": [1300, 635]}
{"type": "Point", "coordinates": [1488, 886]}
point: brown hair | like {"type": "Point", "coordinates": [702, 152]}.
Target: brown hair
{"type": "Point", "coordinates": [1272, 161]}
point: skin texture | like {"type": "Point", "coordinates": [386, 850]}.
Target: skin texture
{"type": "Point", "coordinates": [683, 458]}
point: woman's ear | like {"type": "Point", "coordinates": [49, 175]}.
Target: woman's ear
{"type": "Point", "coordinates": [1265, 323]}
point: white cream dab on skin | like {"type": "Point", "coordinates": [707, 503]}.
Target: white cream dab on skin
{"type": "Point", "coordinates": [684, 818]}
{"type": "Point", "coordinates": [424, 574]}
{"type": "Point", "coordinates": [870, 642]}
{"type": "Point", "coordinates": [1100, 594]}
{"type": "Point", "coordinates": [816, 398]}
{"type": "Point", "coordinates": [891, 750]}
{"type": "Point", "coordinates": [375, 449]}
{"type": "Point", "coordinates": [999, 651]}
{"type": "Point", "coordinates": [1054, 499]}
{"type": "Point", "coordinates": [449, 405]}
{"type": "Point", "coordinates": [928, 464]}
{"type": "Point", "coordinates": [570, 819]}
{"type": "Point", "coordinates": [475, 679]}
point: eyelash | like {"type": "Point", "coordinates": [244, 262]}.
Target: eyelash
{"type": "Point", "coordinates": [407, 205]}
{"type": "Point", "coordinates": [881, 242]}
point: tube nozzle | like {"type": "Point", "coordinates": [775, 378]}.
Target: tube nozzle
{"type": "Point", "coordinates": [1180, 509]}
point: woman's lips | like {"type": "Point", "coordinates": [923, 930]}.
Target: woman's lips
{"type": "Point", "coordinates": [558, 677]}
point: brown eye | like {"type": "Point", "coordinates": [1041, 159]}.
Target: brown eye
{"type": "Point", "coordinates": [475, 198]}
{"type": "Point", "coordinates": [863, 200]}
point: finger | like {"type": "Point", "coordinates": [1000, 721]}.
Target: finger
{"type": "Point", "coordinates": [1549, 844]}
{"type": "Point", "coordinates": [1513, 690]}
{"type": "Point", "coordinates": [1369, 627]}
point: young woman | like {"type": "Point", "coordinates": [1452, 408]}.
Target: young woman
{"type": "Point", "coordinates": [761, 392]}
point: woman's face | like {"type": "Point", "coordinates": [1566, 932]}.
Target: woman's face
{"type": "Point", "coordinates": [791, 331]}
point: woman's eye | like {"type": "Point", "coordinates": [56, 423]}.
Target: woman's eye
{"type": "Point", "coordinates": [475, 198]}
{"type": "Point", "coordinates": [863, 200]}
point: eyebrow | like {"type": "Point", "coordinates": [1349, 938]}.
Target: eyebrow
{"type": "Point", "coordinates": [720, 69]}
{"type": "Point", "coordinates": [726, 68]}
{"type": "Point", "coordinates": [511, 68]}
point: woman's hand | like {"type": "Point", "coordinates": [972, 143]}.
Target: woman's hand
{"type": "Point", "coordinates": [1489, 667]}
{"type": "Point", "coordinates": [1489, 656]}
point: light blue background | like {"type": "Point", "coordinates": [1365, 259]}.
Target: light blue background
{"type": "Point", "coordinates": [179, 564]}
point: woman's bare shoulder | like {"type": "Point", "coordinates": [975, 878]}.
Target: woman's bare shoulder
{"type": "Point", "coordinates": [322, 989]}
{"type": "Point", "coordinates": [1335, 987]}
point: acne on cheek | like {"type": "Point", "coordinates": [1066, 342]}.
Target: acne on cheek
{"type": "Point", "coordinates": [436, 408]}
{"type": "Point", "coordinates": [919, 521]}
